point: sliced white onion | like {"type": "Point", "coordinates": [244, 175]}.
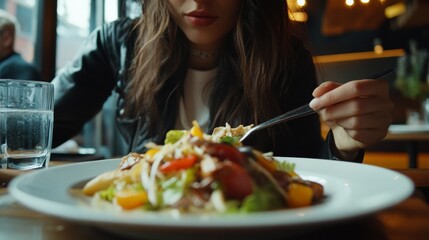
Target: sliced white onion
{"type": "Point", "coordinates": [218, 201]}
{"type": "Point", "coordinates": [152, 187]}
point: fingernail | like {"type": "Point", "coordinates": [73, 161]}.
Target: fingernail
{"type": "Point", "coordinates": [314, 103]}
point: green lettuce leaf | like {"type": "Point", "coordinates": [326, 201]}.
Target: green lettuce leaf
{"type": "Point", "coordinates": [173, 136]}
{"type": "Point", "coordinates": [261, 200]}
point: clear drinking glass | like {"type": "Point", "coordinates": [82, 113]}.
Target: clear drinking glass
{"type": "Point", "coordinates": [26, 122]}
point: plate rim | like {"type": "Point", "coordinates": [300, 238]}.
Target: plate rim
{"type": "Point", "coordinates": [214, 221]}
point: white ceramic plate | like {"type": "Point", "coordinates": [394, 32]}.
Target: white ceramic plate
{"type": "Point", "coordinates": [352, 190]}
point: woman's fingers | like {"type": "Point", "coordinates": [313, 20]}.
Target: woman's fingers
{"type": "Point", "coordinates": [375, 121]}
{"type": "Point", "coordinates": [324, 88]}
{"type": "Point", "coordinates": [357, 107]}
{"type": "Point", "coordinates": [358, 112]}
{"type": "Point", "coordinates": [330, 93]}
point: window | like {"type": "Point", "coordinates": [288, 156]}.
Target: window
{"type": "Point", "coordinates": [72, 28]}
{"type": "Point", "coordinates": [111, 10]}
{"type": "Point", "coordinates": [74, 24]}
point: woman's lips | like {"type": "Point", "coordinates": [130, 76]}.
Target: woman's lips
{"type": "Point", "coordinates": [200, 18]}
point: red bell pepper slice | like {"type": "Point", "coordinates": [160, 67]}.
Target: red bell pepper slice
{"type": "Point", "coordinates": [178, 164]}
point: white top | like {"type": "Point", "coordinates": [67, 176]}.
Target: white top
{"type": "Point", "coordinates": [194, 101]}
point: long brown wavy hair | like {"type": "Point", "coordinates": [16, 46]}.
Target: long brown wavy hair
{"type": "Point", "coordinates": [252, 67]}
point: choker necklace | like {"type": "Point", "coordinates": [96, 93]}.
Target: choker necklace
{"type": "Point", "coordinates": [203, 54]}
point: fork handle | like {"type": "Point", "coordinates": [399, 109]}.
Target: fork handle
{"type": "Point", "coordinates": [302, 111]}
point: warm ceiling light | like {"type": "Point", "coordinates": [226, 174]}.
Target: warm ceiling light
{"type": "Point", "coordinates": [364, 1]}
{"type": "Point", "coordinates": [350, 3]}
{"type": "Point", "coordinates": [301, 3]}
{"type": "Point", "coordinates": [395, 10]}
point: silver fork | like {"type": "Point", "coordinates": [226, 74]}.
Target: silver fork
{"type": "Point", "coordinates": [302, 111]}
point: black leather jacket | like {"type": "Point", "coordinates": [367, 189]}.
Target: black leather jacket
{"type": "Point", "coordinates": [82, 87]}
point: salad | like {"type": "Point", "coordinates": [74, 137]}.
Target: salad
{"type": "Point", "coordinates": [196, 172]}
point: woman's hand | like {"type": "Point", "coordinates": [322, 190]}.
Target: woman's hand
{"type": "Point", "coordinates": [358, 112]}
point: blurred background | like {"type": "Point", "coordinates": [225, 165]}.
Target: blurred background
{"type": "Point", "coordinates": [350, 39]}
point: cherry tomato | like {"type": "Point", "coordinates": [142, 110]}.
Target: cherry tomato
{"type": "Point", "coordinates": [235, 181]}
{"type": "Point", "coordinates": [178, 164]}
{"type": "Point", "coordinates": [225, 152]}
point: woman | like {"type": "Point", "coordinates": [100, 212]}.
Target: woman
{"type": "Point", "coordinates": [216, 61]}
